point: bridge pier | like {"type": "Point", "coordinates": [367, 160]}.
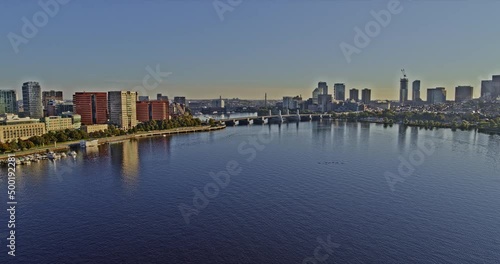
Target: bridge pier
{"type": "Point", "coordinates": [259, 121]}
{"type": "Point", "coordinates": [231, 122]}
{"type": "Point", "coordinates": [244, 122]}
{"type": "Point", "coordinates": [305, 118]}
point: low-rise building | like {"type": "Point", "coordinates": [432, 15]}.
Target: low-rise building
{"type": "Point", "coordinates": [13, 127]}
{"type": "Point", "coordinates": [94, 128]}
{"type": "Point", "coordinates": [57, 123]}
{"type": "Point", "coordinates": [75, 118]}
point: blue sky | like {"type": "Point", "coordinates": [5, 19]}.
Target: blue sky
{"type": "Point", "coordinates": [282, 47]}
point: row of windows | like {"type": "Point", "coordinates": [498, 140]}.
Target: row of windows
{"type": "Point", "coordinates": [21, 133]}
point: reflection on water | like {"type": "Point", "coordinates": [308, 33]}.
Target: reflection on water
{"type": "Point", "coordinates": [130, 162]}
{"type": "Point", "coordinates": [313, 178]}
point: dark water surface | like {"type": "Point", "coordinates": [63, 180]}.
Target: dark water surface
{"type": "Point", "coordinates": [296, 183]}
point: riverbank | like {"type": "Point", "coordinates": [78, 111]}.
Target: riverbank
{"type": "Point", "coordinates": [64, 146]}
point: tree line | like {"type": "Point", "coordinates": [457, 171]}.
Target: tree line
{"type": "Point", "coordinates": [75, 134]}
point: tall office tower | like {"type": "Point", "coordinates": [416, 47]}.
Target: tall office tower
{"type": "Point", "coordinates": [354, 94]}
{"type": "Point", "coordinates": [8, 100]}
{"type": "Point", "coordinates": [315, 95]}
{"type": "Point", "coordinates": [486, 86]}
{"type": "Point", "coordinates": [92, 107]}
{"type": "Point", "coordinates": [463, 93]}
{"type": "Point", "coordinates": [51, 95]}
{"type": "Point", "coordinates": [324, 100]}
{"type": "Point", "coordinates": [436, 95]}
{"type": "Point", "coordinates": [180, 100]}
{"type": "Point", "coordinates": [495, 86]}
{"type": "Point", "coordinates": [339, 91]}
{"type": "Point", "coordinates": [287, 101]}
{"type": "Point", "coordinates": [323, 87]}
{"type": "Point", "coordinates": [366, 95]}
{"type": "Point", "coordinates": [161, 97]}
{"type": "Point", "coordinates": [122, 109]}
{"type": "Point", "coordinates": [403, 91]}
{"type": "Point", "coordinates": [32, 99]}
{"type": "Point", "coordinates": [416, 91]}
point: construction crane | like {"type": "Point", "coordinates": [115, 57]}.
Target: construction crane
{"type": "Point", "coordinates": [404, 73]}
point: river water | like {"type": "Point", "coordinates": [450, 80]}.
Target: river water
{"type": "Point", "coordinates": [377, 194]}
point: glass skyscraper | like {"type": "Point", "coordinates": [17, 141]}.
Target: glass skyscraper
{"type": "Point", "coordinates": [32, 99]}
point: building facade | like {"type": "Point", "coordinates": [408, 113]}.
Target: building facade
{"type": "Point", "coordinates": [152, 110]}
{"type": "Point", "coordinates": [76, 119]}
{"type": "Point", "coordinates": [315, 94]}
{"type": "Point", "coordinates": [339, 91]}
{"type": "Point", "coordinates": [436, 95]}
{"type": "Point", "coordinates": [122, 109]}
{"type": "Point", "coordinates": [51, 95]}
{"type": "Point", "coordinates": [323, 87]}
{"type": "Point", "coordinates": [8, 100]}
{"type": "Point", "coordinates": [180, 100]}
{"type": "Point", "coordinates": [57, 123]}
{"type": "Point", "coordinates": [94, 128]}
{"type": "Point", "coordinates": [161, 97]}
{"type": "Point", "coordinates": [463, 93]}
{"type": "Point", "coordinates": [366, 95]}
{"type": "Point", "coordinates": [416, 91]}
{"type": "Point", "coordinates": [354, 94]}
{"type": "Point", "coordinates": [32, 100]}
{"type": "Point", "coordinates": [12, 127]}
{"type": "Point", "coordinates": [92, 107]}
{"type": "Point", "coordinates": [403, 91]}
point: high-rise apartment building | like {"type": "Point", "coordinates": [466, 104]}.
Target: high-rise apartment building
{"type": "Point", "coordinates": [339, 91]}
{"type": "Point", "coordinates": [463, 93]}
{"type": "Point", "coordinates": [486, 88]}
{"type": "Point", "coordinates": [436, 95]}
{"type": "Point", "coordinates": [366, 95]}
{"type": "Point", "coordinates": [122, 109]}
{"type": "Point", "coordinates": [32, 100]}
{"type": "Point", "coordinates": [490, 89]}
{"type": "Point", "coordinates": [315, 95]}
{"type": "Point", "coordinates": [416, 91]}
{"type": "Point", "coordinates": [324, 100]}
{"type": "Point", "coordinates": [354, 94]}
{"type": "Point", "coordinates": [92, 107]}
{"type": "Point", "coordinates": [8, 100]}
{"type": "Point", "coordinates": [323, 87]}
{"type": "Point", "coordinates": [403, 91]}
{"type": "Point", "coordinates": [495, 86]}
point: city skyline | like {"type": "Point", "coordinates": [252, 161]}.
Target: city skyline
{"type": "Point", "coordinates": [246, 47]}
